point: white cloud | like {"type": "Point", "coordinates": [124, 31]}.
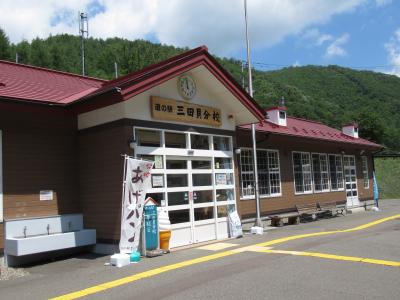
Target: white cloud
{"type": "Point", "coordinates": [393, 49]}
{"type": "Point", "coordinates": [336, 47]}
{"type": "Point", "coordinates": [316, 38]}
{"type": "Point", "coordinates": [296, 64]}
{"type": "Point", "coordinates": [217, 24]}
{"type": "Point", "coordinates": [380, 3]}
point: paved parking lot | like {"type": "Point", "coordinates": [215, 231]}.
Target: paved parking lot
{"type": "Point", "coordinates": [352, 257]}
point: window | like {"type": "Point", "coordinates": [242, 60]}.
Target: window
{"type": "Point", "coordinates": [176, 164]}
{"type": "Point", "coordinates": [365, 171]}
{"type": "Point", "coordinates": [320, 172]}
{"type": "Point", "coordinates": [201, 164]}
{"type": "Point", "coordinates": [222, 163]}
{"type": "Point", "coordinates": [199, 141]}
{"type": "Point", "coordinates": [222, 143]}
{"type": "Point", "coordinates": [282, 115]}
{"type": "Point", "coordinates": [302, 172]}
{"type": "Point", "coordinates": [175, 140]}
{"type": "Point", "coordinates": [202, 179]}
{"type": "Point", "coordinates": [246, 173]}
{"type": "Point", "coordinates": [336, 172]}
{"type": "Point", "coordinates": [148, 138]}
{"type": "Point", "coordinates": [268, 172]}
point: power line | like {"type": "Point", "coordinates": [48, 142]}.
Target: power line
{"type": "Point", "coordinates": [262, 64]}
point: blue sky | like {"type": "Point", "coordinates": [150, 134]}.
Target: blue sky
{"type": "Point", "coordinates": [368, 29]}
{"type": "Point", "coordinates": [362, 34]}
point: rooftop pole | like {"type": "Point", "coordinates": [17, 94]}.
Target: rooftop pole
{"type": "Point", "coordinates": [253, 129]}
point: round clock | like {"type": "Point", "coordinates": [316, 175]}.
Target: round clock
{"type": "Point", "coordinates": [186, 87]}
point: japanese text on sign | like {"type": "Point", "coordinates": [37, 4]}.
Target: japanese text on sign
{"type": "Point", "coordinates": [174, 110]}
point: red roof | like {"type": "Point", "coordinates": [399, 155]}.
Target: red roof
{"type": "Point", "coordinates": [310, 129]}
{"type": "Point", "coordinates": [28, 83]}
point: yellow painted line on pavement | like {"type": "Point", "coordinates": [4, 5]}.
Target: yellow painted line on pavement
{"type": "Point", "coordinates": [307, 235]}
{"type": "Point", "coordinates": [331, 256]}
{"type": "Point", "coordinates": [142, 275]}
{"type": "Point", "coordinates": [217, 246]}
{"type": "Point", "coordinates": [156, 271]}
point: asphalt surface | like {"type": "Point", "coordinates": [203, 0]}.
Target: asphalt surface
{"type": "Point", "coordinates": [246, 275]}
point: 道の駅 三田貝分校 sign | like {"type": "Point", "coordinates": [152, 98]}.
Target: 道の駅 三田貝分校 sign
{"type": "Point", "coordinates": [174, 110]}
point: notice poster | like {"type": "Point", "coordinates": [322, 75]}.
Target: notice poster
{"type": "Point", "coordinates": [220, 179]}
{"type": "Point", "coordinates": [136, 183]}
{"type": "Point", "coordinates": [235, 225]}
{"type": "Point", "coordinates": [157, 181]}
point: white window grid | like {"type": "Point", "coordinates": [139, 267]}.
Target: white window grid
{"type": "Point", "coordinates": [268, 173]}
{"type": "Point", "coordinates": [180, 153]}
{"type": "Point", "coordinates": [365, 171]}
{"type": "Point", "coordinates": [246, 173]}
{"type": "Point", "coordinates": [336, 172]}
{"type": "Point", "coordinates": [302, 172]}
{"type": "Point", "coordinates": [320, 172]}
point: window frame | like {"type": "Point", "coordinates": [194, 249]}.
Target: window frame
{"type": "Point", "coordinates": [191, 154]}
{"type": "Point", "coordinates": [320, 172]}
{"type": "Point", "coordinates": [336, 172]}
{"type": "Point", "coordinates": [311, 175]}
{"type": "Point", "coordinates": [364, 167]}
{"type": "Point", "coordinates": [241, 172]}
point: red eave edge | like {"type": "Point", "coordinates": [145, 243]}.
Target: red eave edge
{"type": "Point", "coordinates": [142, 80]}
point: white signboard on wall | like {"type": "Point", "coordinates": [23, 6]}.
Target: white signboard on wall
{"type": "Point", "coordinates": [136, 183]}
{"type": "Point", "coordinates": [46, 195]}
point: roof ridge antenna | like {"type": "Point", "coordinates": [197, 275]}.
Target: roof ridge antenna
{"type": "Point", "coordinates": [83, 31]}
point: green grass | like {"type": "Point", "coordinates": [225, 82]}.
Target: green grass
{"type": "Point", "coordinates": [388, 177]}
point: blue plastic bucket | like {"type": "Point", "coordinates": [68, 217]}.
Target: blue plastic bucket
{"type": "Point", "coordinates": [135, 257]}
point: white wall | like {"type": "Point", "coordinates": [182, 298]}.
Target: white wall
{"type": "Point", "coordinates": [1, 178]}
{"type": "Point", "coordinates": [210, 92]}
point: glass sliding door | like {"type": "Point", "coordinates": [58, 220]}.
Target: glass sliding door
{"type": "Point", "coordinates": [196, 187]}
{"type": "Point", "coordinates": [350, 176]}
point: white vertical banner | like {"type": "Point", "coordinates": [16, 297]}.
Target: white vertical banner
{"type": "Point", "coordinates": [136, 183]}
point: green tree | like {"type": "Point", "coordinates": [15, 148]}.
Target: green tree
{"type": "Point", "coordinates": [4, 45]}
{"type": "Point", "coordinates": [40, 54]}
{"type": "Point", "coordinates": [371, 126]}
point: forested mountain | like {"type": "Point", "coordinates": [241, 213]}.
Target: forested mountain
{"type": "Point", "coordinates": [333, 95]}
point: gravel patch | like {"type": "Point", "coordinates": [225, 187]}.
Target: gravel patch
{"type": "Point", "coordinates": [7, 273]}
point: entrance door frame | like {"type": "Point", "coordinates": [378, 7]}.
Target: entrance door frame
{"type": "Point", "coordinates": [351, 186]}
{"type": "Point", "coordinates": [220, 224]}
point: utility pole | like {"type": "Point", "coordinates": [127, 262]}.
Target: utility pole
{"type": "Point", "coordinates": [83, 32]}
{"type": "Point", "coordinates": [242, 64]}
{"type": "Point", "coordinates": [116, 69]}
{"type": "Point", "coordinates": [257, 224]}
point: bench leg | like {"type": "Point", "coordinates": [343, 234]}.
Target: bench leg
{"type": "Point", "coordinates": [296, 220]}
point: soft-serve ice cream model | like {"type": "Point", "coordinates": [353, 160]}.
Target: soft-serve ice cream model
{"type": "Point", "coordinates": [164, 227]}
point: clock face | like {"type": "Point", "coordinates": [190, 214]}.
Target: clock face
{"type": "Point", "coordinates": [186, 87]}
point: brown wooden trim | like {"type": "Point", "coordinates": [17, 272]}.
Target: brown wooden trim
{"type": "Point", "coordinates": [156, 125]}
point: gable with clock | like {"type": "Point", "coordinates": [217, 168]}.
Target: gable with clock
{"type": "Point", "coordinates": [186, 87]}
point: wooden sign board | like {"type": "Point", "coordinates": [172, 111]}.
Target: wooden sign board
{"type": "Point", "coordinates": [180, 111]}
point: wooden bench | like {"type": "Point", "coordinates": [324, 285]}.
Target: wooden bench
{"type": "Point", "coordinates": [327, 208]}
{"type": "Point", "coordinates": [332, 208]}
{"type": "Point", "coordinates": [341, 209]}
{"type": "Point", "coordinates": [310, 209]}
{"type": "Point", "coordinates": [292, 218]}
